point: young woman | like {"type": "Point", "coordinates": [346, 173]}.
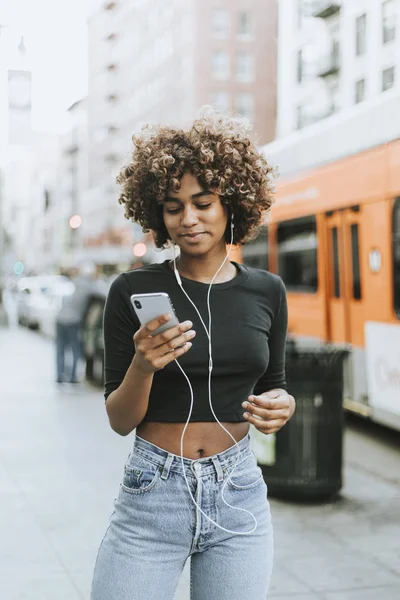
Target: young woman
{"type": "Point", "coordinates": [202, 497]}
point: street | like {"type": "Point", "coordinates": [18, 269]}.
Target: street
{"type": "Point", "coordinates": [60, 468]}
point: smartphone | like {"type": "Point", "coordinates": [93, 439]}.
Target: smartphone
{"type": "Point", "coordinates": [150, 306]}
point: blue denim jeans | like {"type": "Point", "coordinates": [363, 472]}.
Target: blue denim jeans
{"type": "Point", "coordinates": [67, 338]}
{"type": "Point", "coordinates": [155, 528]}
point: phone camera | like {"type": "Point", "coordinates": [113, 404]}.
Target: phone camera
{"type": "Point", "coordinates": [137, 304]}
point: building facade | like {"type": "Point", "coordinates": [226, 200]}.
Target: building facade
{"type": "Point", "coordinates": [333, 55]}
{"type": "Point", "coordinates": [15, 138]}
{"type": "Point", "coordinates": [44, 189]}
{"type": "Point", "coordinates": [159, 62]}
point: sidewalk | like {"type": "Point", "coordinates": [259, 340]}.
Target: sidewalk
{"type": "Point", "coordinates": [60, 467]}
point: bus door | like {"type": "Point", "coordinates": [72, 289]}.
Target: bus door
{"type": "Point", "coordinates": [343, 275]}
{"type": "Point", "coordinates": [338, 329]}
{"type": "Point", "coordinates": [352, 224]}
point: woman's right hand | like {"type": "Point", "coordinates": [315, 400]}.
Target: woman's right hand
{"type": "Point", "coordinates": [155, 352]}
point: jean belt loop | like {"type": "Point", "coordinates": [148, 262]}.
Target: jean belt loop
{"type": "Point", "coordinates": [218, 468]}
{"type": "Point", "coordinates": [167, 466]}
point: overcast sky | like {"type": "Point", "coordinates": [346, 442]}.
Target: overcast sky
{"type": "Point", "coordinates": [56, 41]}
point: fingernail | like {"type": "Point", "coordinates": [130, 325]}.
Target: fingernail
{"type": "Point", "coordinates": [245, 415]}
{"type": "Point", "coordinates": [167, 317]}
{"type": "Point", "coordinates": [189, 344]}
{"type": "Point", "coordinates": [188, 324]}
{"type": "Point", "coordinates": [244, 404]}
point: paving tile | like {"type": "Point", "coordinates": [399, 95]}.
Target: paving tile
{"type": "Point", "coordinates": [295, 596]}
{"type": "Point", "coordinates": [45, 586]}
{"type": "Point", "coordinates": [283, 582]}
{"type": "Point", "coordinates": [308, 542]}
{"type": "Point", "coordinates": [390, 558]}
{"type": "Point", "coordinates": [82, 580]}
{"type": "Point", "coordinates": [344, 572]}
{"type": "Point", "coordinates": [381, 593]}
{"type": "Point", "coordinates": [24, 545]}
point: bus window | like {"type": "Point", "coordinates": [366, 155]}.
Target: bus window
{"type": "Point", "coordinates": [355, 253]}
{"type": "Point", "coordinates": [297, 254]}
{"type": "Point", "coordinates": [396, 257]}
{"type": "Point", "coordinates": [335, 263]}
{"type": "Point", "coordinates": [255, 252]}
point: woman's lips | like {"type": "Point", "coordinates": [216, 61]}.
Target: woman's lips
{"type": "Point", "coordinates": [194, 237]}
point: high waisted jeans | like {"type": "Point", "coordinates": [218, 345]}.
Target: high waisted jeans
{"type": "Point", "coordinates": [155, 528]}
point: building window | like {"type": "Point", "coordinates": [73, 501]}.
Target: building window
{"type": "Point", "coordinates": [396, 256]}
{"type": "Point", "coordinates": [245, 67]}
{"type": "Point", "coordinates": [245, 105]}
{"type": "Point", "coordinates": [255, 252]}
{"type": "Point", "coordinates": [304, 9]}
{"type": "Point", "coordinates": [112, 98]}
{"type": "Point", "coordinates": [299, 66]}
{"type": "Point", "coordinates": [299, 13]}
{"type": "Point", "coordinates": [163, 47]}
{"type": "Point", "coordinates": [297, 254]}
{"type": "Point", "coordinates": [112, 129]}
{"type": "Point", "coordinates": [388, 78]}
{"type": "Point", "coordinates": [360, 91]}
{"type": "Point", "coordinates": [308, 61]}
{"type": "Point", "coordinates": [389, 21]}
{"type": "Point", "coordinates": [111, 158]}
{"type": "Point", "coordinates": [300, 116]}
{"type": "Point", "coordinates": [333, 88]}
{"type": "Point", "coordinates": [47, 201]}
{"type": "Point", "coordinates": [220, 22]}
{"type": "Point", "coordinates": [335, 54]}
{"type": "Point", "coordinates": [361, 35]}
{"type": "Point", "coordinates": [100, 134]}
{"type": "Point", "coordinates": [245, 24]}
{"type": "Point", "coordinates": [220, 65]}
{"type": "Point", "coordinates": [220, 100]}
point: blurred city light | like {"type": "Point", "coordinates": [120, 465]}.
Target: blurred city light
{"type": "Point", "coordinates": [75, 221]}
{"type": "Point", "coordinates": [139, 249]}
{"type": "Point", "coordinates": [18, 268]}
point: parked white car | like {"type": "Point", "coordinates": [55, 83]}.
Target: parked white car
{"type": "Point", "coordinates": [39, 300]}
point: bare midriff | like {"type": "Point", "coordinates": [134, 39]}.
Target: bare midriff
{"type": "Point", "coordinates": [201, 439]}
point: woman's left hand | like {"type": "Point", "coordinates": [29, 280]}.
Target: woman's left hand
{"type": "Point", "coordinates": [269, 411]}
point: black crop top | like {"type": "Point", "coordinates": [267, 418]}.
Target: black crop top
{"type": "Point", "coordinates": [249, 325]}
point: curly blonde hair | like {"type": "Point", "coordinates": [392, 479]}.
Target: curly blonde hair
{"type": "Point", "coordinates": [218, 151]}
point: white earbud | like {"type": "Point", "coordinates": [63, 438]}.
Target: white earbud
{"type": "Point", "coordinates": [176, 272]}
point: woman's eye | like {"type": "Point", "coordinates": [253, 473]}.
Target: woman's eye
{"type": "Point", "coordinates": [203, 206]}
{"type": "Point", "coordinates": [172, 211]}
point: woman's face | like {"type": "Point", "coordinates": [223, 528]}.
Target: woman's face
{"type": "Point", "coordinates": [195, 218]}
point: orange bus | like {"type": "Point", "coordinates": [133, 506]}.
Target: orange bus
{"type": "Point", "coordinates": [333, 235]}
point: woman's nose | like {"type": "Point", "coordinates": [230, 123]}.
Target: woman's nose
{"type": "Point", "coordinates": [189, 218]}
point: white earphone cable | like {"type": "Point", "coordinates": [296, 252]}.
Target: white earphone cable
{"type": "Point", "coordinates": [210, 369]}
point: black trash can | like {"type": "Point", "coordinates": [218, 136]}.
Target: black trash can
{"type": "Point", "coordinates": [306, 458]}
